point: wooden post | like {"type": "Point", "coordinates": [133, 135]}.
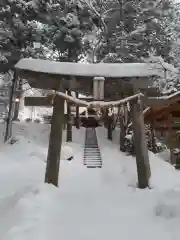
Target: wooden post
{"type": "Point", "coordinates": [108, 124]}
{"type": "Point", "coordinates": [122, 133]}
{"type": "Point", "coordinates": [69, 121]}
{"type": "Point", "coordinates": [142, 158]}
{"type": "Point", "coordinates": [122, 123]}
{"type": "Point", "coordinates": [106, 117]}
{"type": "Point", "coordinates": [19, 93]}
{"type": "Point", "coordinates": [152, 132]}
{"type": "Point", "coordinates": [77, 114]}
{"type": "Point", "coordinates": [109, 127]}
{"type": "Point", "coordinates": [170, 135]}
{"type": "Point", "coordinates": [55, 141]}
{"type": "Point", "coordinates": [8, 131]}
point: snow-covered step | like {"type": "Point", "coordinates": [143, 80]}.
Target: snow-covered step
{"type": "Point", "coordinates": [92, 155]}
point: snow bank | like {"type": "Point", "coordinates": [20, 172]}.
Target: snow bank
{"type": "Point", "coordinates": [33, 150]}
{"type": "Point", "coordinates": [163, 175]}
{"type": "Point", "coordinates": [90, 203]}
{"type": "Point", "coordinates": [24, 199]}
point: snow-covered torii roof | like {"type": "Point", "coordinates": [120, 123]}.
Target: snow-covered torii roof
{"type": "Point", "coordinates": [119, 77]}
{"type": "Point", "coordinates": [109, 70]}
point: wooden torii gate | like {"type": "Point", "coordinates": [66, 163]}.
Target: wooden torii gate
{"type": "Point", "coordinates": [69, 76]}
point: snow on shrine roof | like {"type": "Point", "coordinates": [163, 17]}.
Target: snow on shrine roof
{"type": "Point", "coordinates": [166, 97]}
{"type": "Point", "coordinates": [156, 102]}
{"type": "Point", "coordinates": [112, 70]}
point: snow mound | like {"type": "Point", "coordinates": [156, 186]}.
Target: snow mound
{"type": "Point", "coordinates": [34, 150]}
{"type": "Point", "coordinates": [168, 205]}
{"type": "Point", "coordinates": [164, 176]}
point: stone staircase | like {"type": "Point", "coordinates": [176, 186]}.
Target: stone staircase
{"type": "Point", "coordinates": [92, 155]}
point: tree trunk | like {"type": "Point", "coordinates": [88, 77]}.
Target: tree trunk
{"type": "Point", "coordinates": [55, 142]}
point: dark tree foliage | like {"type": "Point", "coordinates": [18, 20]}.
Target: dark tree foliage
{"type": "Point", "coordinates": [57, 25]}
{"type": "Point", "coordinates": [125, 30]}
{"type": "Point", "coordinates": [135, 28]}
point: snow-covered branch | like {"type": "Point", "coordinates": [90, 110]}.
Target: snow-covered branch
{"type": "Point", "coordinates": [159, 60]}
{"type": "Point", "coordinates": [92, 8]}
{"type": "Point", "coordinates": [139, 30]}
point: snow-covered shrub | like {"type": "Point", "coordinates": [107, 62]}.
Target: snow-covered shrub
{"type": "Point", "coordinates": [37, 120]}
{"type": "Point", "coordinates": [28, 120]}
{"type": "Point", "coordinates": [130, 147]}
{"type": "Point", "coordinates": [176, 153]}
{"type": "Point", "coordinates": [129, 143]}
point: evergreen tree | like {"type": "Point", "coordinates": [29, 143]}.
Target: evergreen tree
{"type": "Point", "coordinates": [119, 30]}
{"type": "Point", "coordinates": [18, 30]}
{"type": "Point", "coordinates": [133, 29]}
{"type": "Point", "coordinates": [174, 26]}
{"type": "Point", "coordinates": [59, 27]}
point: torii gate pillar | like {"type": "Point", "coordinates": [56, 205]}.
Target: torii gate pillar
{"type": "Point", "coordinates": [55, 141]}
{"type": "Point", "coordinates": [69, 121]}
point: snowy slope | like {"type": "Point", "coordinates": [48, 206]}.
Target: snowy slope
{"type": "Point", "coordinates": [90, 203]}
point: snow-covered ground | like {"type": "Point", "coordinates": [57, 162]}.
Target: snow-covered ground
{"type": "Point", "coordinates": [89, 203]}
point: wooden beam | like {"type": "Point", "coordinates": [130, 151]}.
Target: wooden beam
{"type": "Point", "coordinates": [165, 128]}
{"type": "Point", "coordinates": [154, 102]}
{"type": "Point", "coordinates": [151, 91]}
{"type": "Point", "coordinates": [163, 111]}
{"type": "Point", "coordinates": [162, 119]}
{"type": "Point", "coordinates": [55, 141]}
{"type": "Point", "coordinates": [91, 99]}
{"type": "Point", "coordinates": [175, 105]}
{"type": "Point", "coordinates": [39, 101]}
{"type": "Point", "coordinates": [87, 99]}
{"type": "Point", "coordinates": [172, 107]}
{"type": "Point", "coordinates": [164, 122]}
